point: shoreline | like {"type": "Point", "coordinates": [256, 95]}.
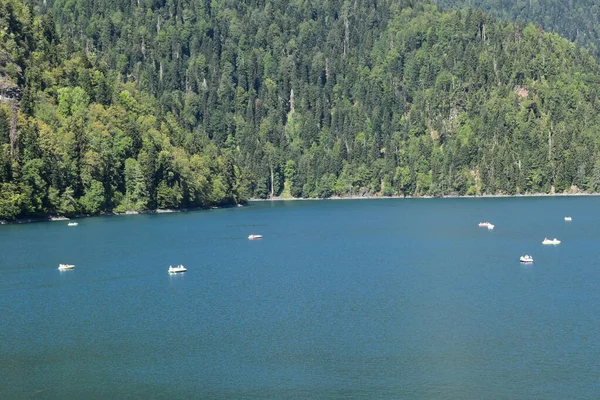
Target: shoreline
{"type": "Point", "coordinates": [51, 218]}
{"type": "Point", "coordinates": [484, 196]}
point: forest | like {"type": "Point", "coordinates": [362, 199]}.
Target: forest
{"type": "Point", "coordinates": [577, 20]}
{"type": "Point", "coordinates": [134, 105]}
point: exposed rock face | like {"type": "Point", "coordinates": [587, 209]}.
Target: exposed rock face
{"type": "Point", "coordinates": [573, 190]}
{"type": "Point", "coordinates": [9, 91]}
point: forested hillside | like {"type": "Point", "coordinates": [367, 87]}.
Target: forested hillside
{"type": "Point", "coordinates": [577, 20]}
{"type": "Point", "coordinates": [134, 105]}
{"type": "Point", "coordinates": [86, 140]}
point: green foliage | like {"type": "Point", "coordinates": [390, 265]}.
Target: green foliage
{"type": "Point", "coordinates": [136, 198]}
{"type": "Point", "coordinates": [72, 101]}
{"type": "Point", "coordinates": [577, 20]}
{"type": "Point", "coordinates": [93, 199]}
{"type": "Point", "coordinates": [144, 105]}
{"type": "Point", "coordinates": [67, 203]}
{"type": "Point", "coordinates": [12, 199]}
{"type": "Point", "coordinates": [169, 196]}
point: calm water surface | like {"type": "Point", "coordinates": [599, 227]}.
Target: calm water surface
{"type": "Point", "coordinates": [371, 299]}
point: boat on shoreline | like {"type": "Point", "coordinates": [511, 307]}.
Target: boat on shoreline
{"type": "Point", "coordinates": [65, 267]}
{"type": "Point", "coordinates": [551, 241]}
{"type": "Point", "coordinates": [177, 269]}
{"type": "Point", "coordinates": [253, 236]}
{"type": "Point", "coordinates": [526, 259]}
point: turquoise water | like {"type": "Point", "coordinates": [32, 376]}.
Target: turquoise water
{"type": "Point", "coordinates": [370, 299]}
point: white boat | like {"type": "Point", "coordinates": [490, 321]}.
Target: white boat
{"type": "Point", "coordinates": [526, 259]}
{"type": "Point", "coordinates": [177, 269]}
{"type": "Point", "coordinates": [551, 241]}
{"type": "Point", "coordinates": [73, 224]}
{"type": "Point", "coordinates": [253, 236]}
{"type": "Point", "coordinates": [484, 224]}
{"type": "Point", "coordinates": [64, 267]}
{"type": "Point", "coordinates": [569, 219]}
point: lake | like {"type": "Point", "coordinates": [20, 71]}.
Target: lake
{"type": "Point", "coordinates": [349, 299]}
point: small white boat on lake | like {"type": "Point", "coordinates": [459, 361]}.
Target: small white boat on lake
{"type": "Point", "coordinates": [65, 267]}
{"type": "Point", "coordinates": [526, 259]}
{"type": "Point", "coordinates": [253, 236]}
{"type": "Point", "coordinates": [551, 241]}
{"type": "Point", "coordinates": [568, 219]}
{"type": "Point", "coordinates": [73, 224]}
{"type": "Point", "coordinates": [177, 269]}
{"type": "Point", "coordinates": [486, 224]}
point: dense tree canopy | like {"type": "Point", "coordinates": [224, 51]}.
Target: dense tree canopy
{"type": "Point", "coordinates": [577, 20]}
{"type": "Point", "coordinates": [136, 105]}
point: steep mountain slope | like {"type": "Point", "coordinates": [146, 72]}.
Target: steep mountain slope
{"type": "Point", "coordinates": [174, 103]}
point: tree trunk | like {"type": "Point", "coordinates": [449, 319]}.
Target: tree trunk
{"type": "Point", "coordinates": [272, 181]}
